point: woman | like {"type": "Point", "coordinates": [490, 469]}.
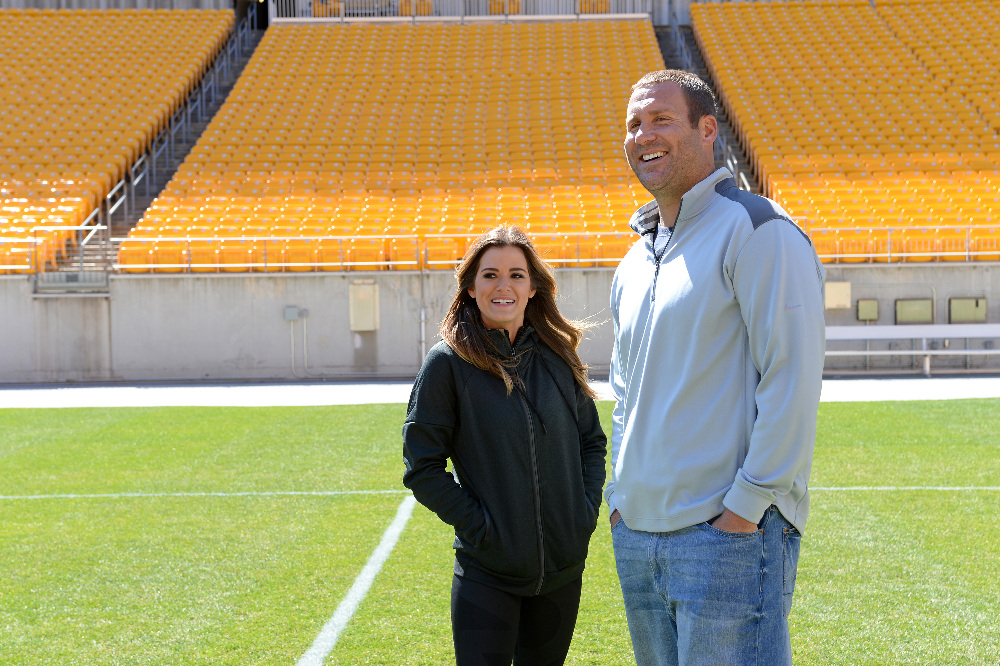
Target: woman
{"type": "Point", "coordinates": [504, 396]}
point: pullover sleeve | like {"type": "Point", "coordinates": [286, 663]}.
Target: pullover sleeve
{"type": "Point", "coordinates": [593, 448]}
{"type": "Point", "coordinates": [778, 282]}
{"type": "Point", "coordinates": [431, 419]}
{"type": "Point", "coordinates": [617, 382]}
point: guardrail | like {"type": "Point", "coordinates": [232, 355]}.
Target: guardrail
{"type": "Point", "coordinates": [45, 244]}
{"type": "Point", "coordinates": [680, 43]}
{"type": "Point", "coordinates": [332, 252]}
{"type": "Point", "coordinates": [923, 333]}
{"type": "Point", "coordinates": [892, 244]}
{"type": "Point", "coordinates": [415, 10]}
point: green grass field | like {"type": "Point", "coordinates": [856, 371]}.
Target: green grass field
{"type": "Point", "coordinates": [909, 575]}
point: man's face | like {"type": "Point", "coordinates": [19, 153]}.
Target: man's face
{"type": "Point", "coordinates": [666, 153]}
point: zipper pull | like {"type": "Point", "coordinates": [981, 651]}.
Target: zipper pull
{"type": "Point", "coordinates": [656, 274]}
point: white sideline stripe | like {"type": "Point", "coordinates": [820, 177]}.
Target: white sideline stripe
{"type": "Point", "coordinates": [337, 393]}
{"type": "Point", "coordinates": [275, 493]}
{"type": "Point", "coordinates": [890, 488]}
{"type": "Point", "coordinates": [328, 636]}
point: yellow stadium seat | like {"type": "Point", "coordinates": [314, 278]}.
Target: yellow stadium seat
{"type": "Point", "coordinates": [854, 245]}
{"type": "Point", "coordinates": [169, 256]}
{"type": "Point", "coordinates": [203, 255]}
{"type": "Point", "coordinates": [135, 256]}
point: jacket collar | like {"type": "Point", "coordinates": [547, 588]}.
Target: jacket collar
{"type": "Point", "coordinates": [647, 218]}
{"type": "Point", "coordinates": [523, 339]}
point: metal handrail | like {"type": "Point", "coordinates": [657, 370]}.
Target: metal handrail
{"type": "Point", "coordinates": [421, 257]}
{"type": "Point", "coordinates": [32, 242]}
{"type": "Point", "coordinates": [344, 11]}
{"type": "Point", "coordinates": [682, 50]}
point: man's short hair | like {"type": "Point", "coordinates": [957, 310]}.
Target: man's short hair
{"type": "Point", "coordinates": [698, 94]}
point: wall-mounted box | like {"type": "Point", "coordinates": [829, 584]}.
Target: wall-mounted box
{"type": "Point", "coordinates": [363, 305]}
{"type": "Point", "coordinates": [966, 310]}
{"type": "Point", "coordinates": [838, 295]}
{"type": "Point", "coordinates": [867, 309]}
{"type": "Point", "coordinates": [914, 311]}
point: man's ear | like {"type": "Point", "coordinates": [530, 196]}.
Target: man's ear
{"type": "Point", "coordinates": [709, 127]}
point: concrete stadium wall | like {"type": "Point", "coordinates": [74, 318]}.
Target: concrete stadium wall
{"type": "Point", "coordinates": [233, 326]}
{"type": "Point", "coordinates": [189, 327]}
{"type": "Point", "coordinates": [937, 281]}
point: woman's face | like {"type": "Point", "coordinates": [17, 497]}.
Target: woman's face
{"type": "Point", "coordinates": [502, 288]}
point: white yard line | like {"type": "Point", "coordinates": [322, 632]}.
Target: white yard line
{"type": "Point", "coordinates": [265, 493]}
{"type": "Point", "coordinates": [896, 488]}
{"type": "Point", "coordinates": [331, 631]}
{"type": "Point", "coordinates": [334, 493]}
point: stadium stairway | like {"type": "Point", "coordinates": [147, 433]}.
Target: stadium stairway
{"type": "Point", "coordinates": [95, 256]}
{"type": "Point", "coordinates": [673, 60]}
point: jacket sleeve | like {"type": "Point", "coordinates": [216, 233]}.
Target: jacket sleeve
{"type": "Point", "coordinates": [593, 448]}
{"type": "Point", "coordinates": [431, 419]}
{"type": "Point", "coordinates": [778, 282]}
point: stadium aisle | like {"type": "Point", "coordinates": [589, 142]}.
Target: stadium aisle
{"type": "Point", "coordinates": [331, 393]}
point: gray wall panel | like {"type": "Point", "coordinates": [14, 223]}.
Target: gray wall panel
{"type": "Point", "coordinates": [233, 326]}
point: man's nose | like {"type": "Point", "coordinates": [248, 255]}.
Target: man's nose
{"type": "Point", "coordinates": [643, 134]}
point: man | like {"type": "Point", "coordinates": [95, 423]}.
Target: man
{"type": "Point", "coordinates": [716, 369]}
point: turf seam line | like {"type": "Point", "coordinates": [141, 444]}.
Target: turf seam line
{"type": "Point", "coordinates": [328, 636]}
{"type": "Point", "coordinates": [265, 493]}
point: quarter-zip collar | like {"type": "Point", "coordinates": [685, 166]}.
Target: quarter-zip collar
{"type": "Point", "coordinates": [646, 220]}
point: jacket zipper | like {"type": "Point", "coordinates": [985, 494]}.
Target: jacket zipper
{"type": "Point", "coordinates": [538, 494]}
{"type": "Point", "coordinates": [657, 259]}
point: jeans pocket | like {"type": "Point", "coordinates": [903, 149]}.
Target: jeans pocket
{"type": "Point", "coordinates": [791, 540]}
{"type": "Point", "coordinates": [614, 527]}
{"type": "Point", "coordinates": [707, 525]}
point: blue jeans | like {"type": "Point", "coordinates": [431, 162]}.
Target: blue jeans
{"type": "Point", "coordinates": [700, 596]}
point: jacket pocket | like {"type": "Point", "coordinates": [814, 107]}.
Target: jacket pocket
{"type": "Point", "coordinates": [478, 538]}
{"type": "Point", "coordinates": [509, 548]}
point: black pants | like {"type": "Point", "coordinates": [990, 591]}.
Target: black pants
{"type": "Point", "coordinates": [491, 627]}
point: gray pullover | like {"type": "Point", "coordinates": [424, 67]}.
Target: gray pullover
{"type": "Point", "coordinates": [717, 363]}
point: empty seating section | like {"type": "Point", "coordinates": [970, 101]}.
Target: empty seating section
{"type": "Point", "coordinates": [872, 125]}
{"type": "Point", "coordinates": [372, 146]}
{"type": "Point", "coordinates": [84, 93]}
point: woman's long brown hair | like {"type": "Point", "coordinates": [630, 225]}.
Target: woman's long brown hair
{"type": "Point", "coordinates": [463, 327]}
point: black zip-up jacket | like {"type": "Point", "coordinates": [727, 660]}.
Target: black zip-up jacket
{"type": "Point", "coordinates": [530, 465]}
